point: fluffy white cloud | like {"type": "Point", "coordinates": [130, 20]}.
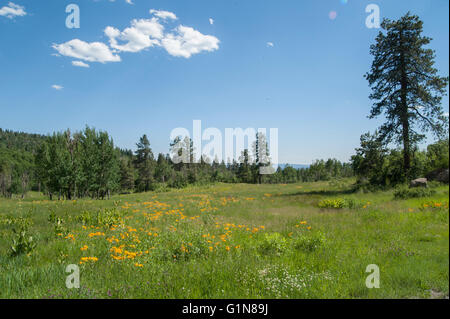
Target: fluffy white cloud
{"type": "Point", "coordinates": [188, 41]}
{"type": "Point", "coordinates": [57, 87]}
{"type": "Point", "coordinates": [142, 34]}
{"type": "Point", "coordinates": [91, 52]}
{"type": "Point", "coordinates": [80, 64]}
{"type": "Point", "coordinates": [146, 33]}
{"type": "Point", "coordinates": [163, 14]}
{"type": "Point", "coordinates": [211, 21]}
{"type": "Point", "coordinates": [446, 114]}
{"type": "Point", "coordinates": [270, 44]}
{"type": "Point", "coordinates": [12, 10]}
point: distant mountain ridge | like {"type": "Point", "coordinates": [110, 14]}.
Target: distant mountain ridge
{"type": "Point", "coordinates": [296, 166]}
{"type": "Point", "coordinates": [13, 140]}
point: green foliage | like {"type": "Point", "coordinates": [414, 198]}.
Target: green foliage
{"type": "Point", "coordinates": [272, 244]}
{"type": "Point", "coordinates": [332, 203]}
{"type": "Point", "coordinates": [309, 242]}
{"type": "Point", "coordinates": [406, 88]}
{"type": "Point", "coordinates": [180, 180]}
{"type": "Point", "coordinates": [16, 171]}
{"type": "Point", "coordinates": [22, 242]}
{"type": "Point", "coordinates": [376, 166]}
{"type": "Point", "coordinates": [108, 217]}
{"type": "Point", "coordinates": [104, 217]}
{"type": "Point", "coordinates": [78, 165]}
{"type": "Point", "coordinates": [405, 192]}
{"type": "Point", "coordinates": [20, 141]}
{"type": "Point", "coordinates": [145, 164]}
{"type": "Point", "coordinates": [340, 203]}
{"type": "Point", "coordinates": [437, 156]}
{"type": "Point", "coordinates": [57, 222]}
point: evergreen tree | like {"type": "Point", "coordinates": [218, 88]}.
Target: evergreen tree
{"type": "Point", "coordinates": [405, 85]}
{"type": "Point", "coordinates": [127, 174]}
{"type": "Point", "coordinates": [144, 163]}
{"type": "Point", "coordinates": [163, 170]}
{"type": "Point", "coordinates": [244, 172]}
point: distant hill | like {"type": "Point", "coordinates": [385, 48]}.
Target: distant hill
{"type": "Point", "coordinates": [20, 141]}
{"type": "Point", "coordinates": [296, 166]}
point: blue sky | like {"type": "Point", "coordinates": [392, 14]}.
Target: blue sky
{"type": "Point", "coordinates": [308, 82]}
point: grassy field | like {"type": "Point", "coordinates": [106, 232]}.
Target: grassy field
{"type": "Point", "coordinates": [228, 241]}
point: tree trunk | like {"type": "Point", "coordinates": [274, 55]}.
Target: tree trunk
{"type": "Point", "coordinates": [406, 148]}
{"type": "Point", "coordinates": [404, 113]}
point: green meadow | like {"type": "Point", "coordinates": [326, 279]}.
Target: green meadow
{"type": "Point", "coordinates": [305, 240]}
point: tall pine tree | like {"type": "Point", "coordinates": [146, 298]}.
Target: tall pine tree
{"type": "Point", "coordinates": [405, 85]}
{"type": "Point", "coordinates": [145, 164]}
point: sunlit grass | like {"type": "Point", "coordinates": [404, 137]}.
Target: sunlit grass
{"type": "Point", "coordinates": [230, 241]}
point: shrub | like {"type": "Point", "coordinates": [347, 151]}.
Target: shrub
{"type": "Point", "coordinates": [332, 203]}
{"type": "Point", "coordinates": [180, 181]}
{"type": "Point", "coordinates": [109, 217]}
{"type": "Point", "coordinates": [340, 203]}
{"type": "Point", "coordinates": [85, 217]}
{"type": "Point", "coordinates": [309, 242]}
{"type": "Point", "coordinates": [178, 246]}
{"type": "Point", "coordinates": [273, 243]}
{"type": "Point", "coordinates": [405, 193]}
{"type": "Point", "coordinates": [23, 242]}
{"type": "Point", "coordinates": [106, 217]}
{"type": "Point", "coordinates": [160, 187]}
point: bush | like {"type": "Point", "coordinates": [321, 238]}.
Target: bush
{"type": "Point", "coordinates": [309, 242]}
{"type": "Point", "coordinates": [405, 193]}
{"type": "Point", "coordinates": [160, 187]}
{"type": "Point", "coordinates": [180, 181]}
{"type": "Point", "coordinates": [273, 243]}
{"type": "Point", "coordinates": [339, 203]}
{"type": "Point", "coordinates": [23, 242]}
{"type": "Point", "coordinates": [178, 246]}
{"type": "Point", "coordinates": [332, 203]}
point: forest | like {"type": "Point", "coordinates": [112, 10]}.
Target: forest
{"type": "Point", "coordinates": [88, 164]}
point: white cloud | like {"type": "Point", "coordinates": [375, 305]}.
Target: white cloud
{"type": "Point", "coordinates": [270, 44]}
{"type": "Point", "coordinates": [211, 21]}
{"type": "Point", "coordinates": [91, 52]}
{"type": "Point", "coordinates": [188, 41]}
{"type": "Point", "coordinates": [163, 14]}
{"type": "Point", "coordinates": [146, 33]}
{"type": "Point", "coordinates": [57, 87]}
{"type": "Point", "coordinates": [80, 64]}
{"type": "Point", "coordinates": [446, 114]}
{"type": "Point", "coordinates": [12, 10]}
{"type": "Point", "coordinates": [142, 34]}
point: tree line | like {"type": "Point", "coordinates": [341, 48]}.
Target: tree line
{"type": "Point", "coordinates": [88, 164]}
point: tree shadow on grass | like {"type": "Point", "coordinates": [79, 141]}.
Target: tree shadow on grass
{"type": "Point", "coordinates": [321, 192]}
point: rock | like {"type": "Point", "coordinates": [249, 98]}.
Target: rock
{"type": "Point", "coordinates": [419, 182]}
{"type": "Point", "coordinates": [440, 175]}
